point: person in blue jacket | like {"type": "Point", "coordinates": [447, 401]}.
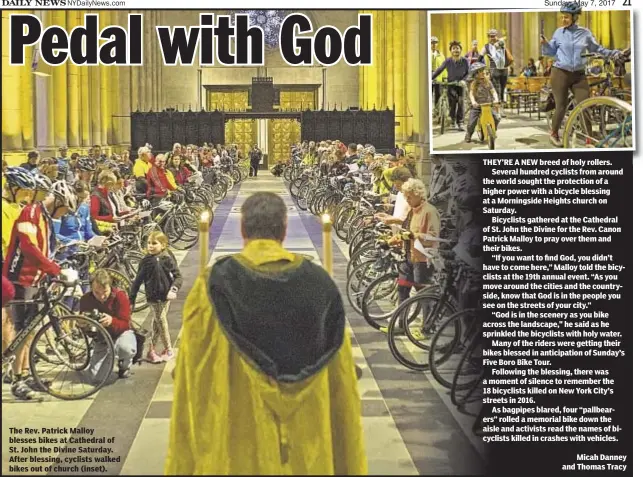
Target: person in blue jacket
{"type": "Point", "coordinates": [76, 226]}
{"type": "Point", "coordinates": [568, 45]}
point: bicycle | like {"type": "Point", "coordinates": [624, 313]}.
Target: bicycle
{"type": "Point", "coordinates": [487, 125]}
{"type": "Point", "coordinates": [65, 341]}
{"type": "Point", "coordinates": [443, 109]}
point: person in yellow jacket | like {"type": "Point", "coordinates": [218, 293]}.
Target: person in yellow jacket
{"type": "Point", "coordinates": [265, 381]}
{"type": "Point", "coordinates": [437, 59]}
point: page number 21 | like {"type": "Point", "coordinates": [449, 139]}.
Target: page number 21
{"type": "Point", "coordinates": [627, 3]}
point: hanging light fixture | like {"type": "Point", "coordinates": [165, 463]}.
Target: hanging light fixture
{"type": "Point", "coordinates": [269, 20]}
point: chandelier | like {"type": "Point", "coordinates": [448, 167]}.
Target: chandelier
{"type": "Point", "coordinates": [269, 21]}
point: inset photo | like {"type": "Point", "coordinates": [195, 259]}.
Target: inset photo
{"type": "Point", "coordinates": [531, 80]}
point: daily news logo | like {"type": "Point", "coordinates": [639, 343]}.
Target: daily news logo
{"type": "Point", "coordinates": [42, 3]}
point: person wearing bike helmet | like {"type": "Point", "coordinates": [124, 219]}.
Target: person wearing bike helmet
{"type": "Point", "coordinates": [437, 59]}
{"type": "Point", "coordinates": [473, 55]}
{"type": "Point", "coordinates": [481, 91]}
{"type": "Point", "coordinates": [29, 260]}
{"type": "Point", "coordinates": [457, 70]}
{"type": "Point", "coordinates": [500, 59]}
{"type": "Point", "coordinates": [86, 167]}
{"type": "Point", "coordinates": [18, 191]}
{"type": "Point", "coordinates": [568, 45]}
{"type": "Point", "coordinates": [76, 226]}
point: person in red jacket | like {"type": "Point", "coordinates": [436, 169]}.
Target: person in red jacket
{"type": "Point", "coordinates": [100, 206]}
{"type": "Point", "coordinates": [115, 313]}
{"type": "Point", "coordinates": [179, 170]}
{"type": "Point", "coordinates": [28, 261]}
{"type": "Point", "coordinates": [157, 183]}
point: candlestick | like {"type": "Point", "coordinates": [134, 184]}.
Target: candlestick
{"type": "Point", "coordinates": [327, 244]}
{"type": "Point", "coordinates": [204, 238]}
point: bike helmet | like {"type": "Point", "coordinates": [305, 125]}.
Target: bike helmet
{"type": "Point", "coordinates": [455, 43]}
{"type": "Point", "coordinates": [492, 32]}
{"type": "Point", "coordinates": [65, 193]}
{"type": "Point", "coordinates": [434, 39]}
{"type": "Point", "coordinates": [125, 170]}
{"type": "Point", "coordinates": [20, 177]}
{"type": "Point", "coordinates": [42, 182]}
{"type": "Point", "coordinates": [474, 68]}
{"type": "Point", "coordinates": [86, 164]}
{"type": "Point", "coordinates": [573, 8]}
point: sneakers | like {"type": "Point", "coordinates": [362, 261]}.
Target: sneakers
{"type": "Point", "coordinates": [123, 372]}
{"type": "Point", "coordinates": [152, 357]}
{"type": "Point", "coordinates": [460, 127]}
{"type": "Point", "coordinates": [33, 384]}
{"type": "Point", "coordinates": [467, 138]}
{"type": "Point", "coordinates": [21, 391]}
{"type": "Point", "coordinates": [8, 377]}
{"type": "Point", "coordinates": [167, 355]}
{"type": "Point", "coordinates": [555, 140]}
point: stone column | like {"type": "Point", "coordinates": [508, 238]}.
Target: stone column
{"type": "Point", "coordinates": [397, 71]}
{"type": "Point", "coordinates": [59, 85]}
{"type": "Point", "coordinates": [94, 97]}
{"type": "Point", "coordinates": [73, 90]}
{"type": "Point", "coordinates": [11, 111]}
{"type": "Point", "coordinates": [414, 63]}
{"type": "Point", "coordinates": [85, 107]}
{"type": "Point", "coordinates": [27, 98]}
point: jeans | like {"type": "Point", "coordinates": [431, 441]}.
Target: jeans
{"type": "Point", "coordinates": [456, 103]}
{"type": "Point", "coordinates": [254, 167]}
{"type": "Point", "coordinates": [499, 80]}
{"type": "Point", "coordinates": [124, 348]}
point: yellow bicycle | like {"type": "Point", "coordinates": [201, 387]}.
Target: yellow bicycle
{"type": "Point", "coordinates": [487, 125]}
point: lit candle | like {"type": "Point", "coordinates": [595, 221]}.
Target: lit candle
{"type": "Point", "coordinates": [204, 238]}
{"type": "Point", "coordinates": [327, 245]}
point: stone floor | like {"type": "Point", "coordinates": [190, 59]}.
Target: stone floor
{"type": "Point", "coordinates": [515, 132]}
{"type": "Point", "coordinates": [409, 423]}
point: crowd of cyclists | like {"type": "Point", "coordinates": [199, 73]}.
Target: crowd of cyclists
{"type": "Point", "coordinates": [414, 249]}
{"type": "Point", "coordinates": [97, 211]}
{"type": "Point", "coordinates": [115, 220]}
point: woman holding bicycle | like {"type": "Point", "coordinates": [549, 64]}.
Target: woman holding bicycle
{"type": "Point", "coordinates": [567, 45]}
{"type": "Point", "coordinates": [423, 221]}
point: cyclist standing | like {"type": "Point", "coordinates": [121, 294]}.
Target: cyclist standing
{"type": "Point", "coordinates": [567, 45]}
{"type": "Point", "coordinates": [457, 70]}
{"type": "Point", "coordinates": [29, 259]}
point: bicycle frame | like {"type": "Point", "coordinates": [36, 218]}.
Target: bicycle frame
{"type": "Point", "coordinates": [22, 336]}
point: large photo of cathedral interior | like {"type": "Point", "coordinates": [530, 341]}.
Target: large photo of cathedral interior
{"type": "Point", "coordinates": [137, 161]}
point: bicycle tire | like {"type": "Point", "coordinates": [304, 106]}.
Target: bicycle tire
{"type": "Point", "coordinates": [109, 364]}
{"type": "Point", "coordinates": [392, 333]}
{"type": "Point", "coordinates": [445, 308]}
{"type": "Point", "coordinates": [353, 293]}
{"type": "Point", "coordinates": [491, 138]}
{"type": "Point", "coordinates": [449, 348]}
{"type": "Point", "coordinates": [368, 317]}
{"type": "Point", "coordinates": [466, 355]}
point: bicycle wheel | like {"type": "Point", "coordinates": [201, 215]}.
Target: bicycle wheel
{"type": "Point", "coordinates": [380, 300]}
{"type": "Point", "coordinates": [443, 117]}
{"type": "Point", "coordinates": [358, 280]}
{"type": "Point", "coordinates": [48, 354]}
{"type": "Point", "coordinates": [468, 373]}
{"type": "Point", "coordinates": [580, 130]}
{"type": "Point", "coordinates": [408, 337]}
{"type": "Point", "coordinates": [129, 267]}
{"type": "Point", "coordinates": [76, 339]}
{"type": "Point", "coordinates": [491, 137]}
{"type": "Point", "coordinates": [183, 230]}
{"type": "Point", "coordinates": [447, 345]}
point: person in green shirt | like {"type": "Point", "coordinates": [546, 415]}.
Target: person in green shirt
{"type": "Point", "coordinates": [437, 59]}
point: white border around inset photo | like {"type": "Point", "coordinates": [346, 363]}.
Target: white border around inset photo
{"type": "Point", "coordinates": [433, 151]}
